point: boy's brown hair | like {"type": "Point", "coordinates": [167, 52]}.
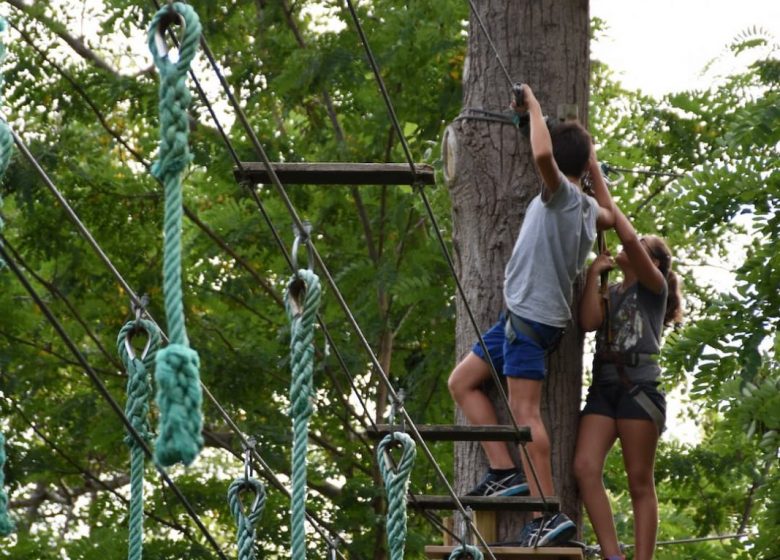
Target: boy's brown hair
{"type": "Point", "coordinates": [571, 148]}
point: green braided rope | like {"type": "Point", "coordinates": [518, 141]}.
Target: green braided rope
{"type": "Point", "coordinates": [466, 551]}
{"type": "Point", "coordinates": [6, 139]}
{"type": "Point", "coordinates": [246, 523]}
{"type": "Point", "coordinates": [302, 319]}
{"type": "Point", "coordinates": [396, 479]}
{"type": "Point", "coordinates": [179, 394]}
{"type": "Point", "coordinates": [6, 523]}
{"type": "Point", "coordinates": [137, 410]}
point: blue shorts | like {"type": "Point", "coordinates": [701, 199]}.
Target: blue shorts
{"type": "Point", "coordinates": [523, 357]}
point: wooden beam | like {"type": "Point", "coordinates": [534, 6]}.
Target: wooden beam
{"type": "Point", "coordinates": [495, 503]}
{"type": "Point", "coordinates": [514, 552]}
{"type": "Point", "coordinates": [333, 173]}
{"type": "Point", "coordinates": [452, 432]}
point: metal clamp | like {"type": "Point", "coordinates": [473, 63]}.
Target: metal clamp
{"type": "Point", "coordinates": [250, 444]}
{"type": "Point", "coordinates": [305, 238]}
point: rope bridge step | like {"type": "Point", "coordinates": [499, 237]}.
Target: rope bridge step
{"type": "Point", "coordinates": [333, 173]}
{"type": "Point", "coordinates": [513, 552]}
{"type": "Point", "coordinates": [453, 432]}
{"type": "Point", "coordinates": [513, 503]}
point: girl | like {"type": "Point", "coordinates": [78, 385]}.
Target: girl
{"type": "Point", "coordinates": [624, 402]}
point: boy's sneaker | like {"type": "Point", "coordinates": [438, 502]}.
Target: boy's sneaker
{"type": "Point", "coordinates": [556, 530]}
{"type": "Point", "coordinates": [505, 484]}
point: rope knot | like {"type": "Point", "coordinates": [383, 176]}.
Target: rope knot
{"type": "Point", "coordinates": [396, 478]}
{"type": "Point", "coordinates": [179, 398]}
{"type": "Point", "coordinates": [246, 520]}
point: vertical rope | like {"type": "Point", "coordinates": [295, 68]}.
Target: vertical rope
{"type": "Point", "coordinates": [137, 410]}
{"type": "Point", "coordinates": [178, 381]}
{"type": "Point", "coordinates": [6, 524]}
{"type": "Point", "coordinates": [302, 319]}
{"type": "Point", "coordinates": [6, 144]}
{"type": "Point", "coordinates": [396, 479]}
{"type": "Point", "coordinates": [246, 522]}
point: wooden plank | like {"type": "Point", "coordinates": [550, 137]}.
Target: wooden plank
{"type": "Point", "coordinates": [333, 173]}
{"type": "Point", "coordinates": [513, 552]}
{"type": "Point", "coordinates": [452, 432]}
{"type": "Point", "coordinates": [494, 503]}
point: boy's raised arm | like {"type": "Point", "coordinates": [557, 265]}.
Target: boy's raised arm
{"type": "Point", "coordinates": [541, 144]}
{"type": "Point", "coordinates": [607, 208]}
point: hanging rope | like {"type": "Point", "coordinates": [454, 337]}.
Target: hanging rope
{"type": "Point", "coordinates": [178, 381]}
{"type": "Point", "coordinates": [302, 315]}
{"type": "Point", "coordinates": [137, 410]}
{"type": "Point", "coordinates": [396, 479]}
{"type": "Point", "coordinates": [6, 524]}
{"type": "Point", "coordinates": [246, 522]}
{"type": "Point", "coordinates": [466, 551]}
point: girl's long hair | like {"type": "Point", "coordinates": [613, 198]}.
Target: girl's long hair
{"type": "Point", "coordinates": [659, 250]}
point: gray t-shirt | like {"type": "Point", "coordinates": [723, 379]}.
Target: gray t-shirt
{"type": "Point", "coordinates": [637, 321]}
{"type": "Point", "coordinates": [554, 241]}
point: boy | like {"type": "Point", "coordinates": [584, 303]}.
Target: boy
{"type": "Point", "coordinates": [556, 236]}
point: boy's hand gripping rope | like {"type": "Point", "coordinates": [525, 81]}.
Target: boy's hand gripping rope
{"type": "Point", "coordinates": [137, 410]}
{"type": "Point", "coordinates": [6, 144]}
{"type": "Point", "coordinates": [396, 479]}
{"type": "Point", "coordinates": [246, 522]}
{"type": "Point", "coordinates": [179, 394]}
{"type": "Point", "coordinates": [304, 284]}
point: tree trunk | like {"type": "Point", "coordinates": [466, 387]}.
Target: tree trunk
{"type": "Point", "coordinates": [492, 179]}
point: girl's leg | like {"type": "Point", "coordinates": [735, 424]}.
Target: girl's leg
{"type": "Point", "coordinates": [595, 437]}
{"type": "Point", "coordinates": [465, 385]}
{"type": "Point", "coordinates": [525, 397]}
{"type": "Point", "coordinates": [639, 439]}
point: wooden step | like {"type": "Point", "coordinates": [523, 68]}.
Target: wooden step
{"type": "Point", "coordinates": [331, 173]}
{"type": "Point", "coordinates": [513, 503]}
{"type": "Point", "coordinates": [453, 432]}
{"type": "Point", "coordinates": [513, 552]}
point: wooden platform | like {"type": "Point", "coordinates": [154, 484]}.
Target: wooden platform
{"type": "Point", "coordinates": [337, 173]}
{"type": "Point", "coordinates": [513, 552]}
{"type": "Point", "coordinates": [452, 432]}
{"type": "Point", "coordinates": [513, 503]}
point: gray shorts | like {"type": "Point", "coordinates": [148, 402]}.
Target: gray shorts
{"type": "Point", "coordinates": [613, 400]}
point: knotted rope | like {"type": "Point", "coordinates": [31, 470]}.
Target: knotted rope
{"type": "Point", "coordinates": [396, 479]}
{"type": "Point", "coordinates": [6, 524]}
{"type": "Point", "coordinates": [246, 523]}
{"type": "Point", "coordinates": [6, 144]}
{"type": "Point", "coordinates": [302, 317]}
{"type": "Point", "coordinates": [137, 410]}
{"type": "Point", "coordinates": [466, 551]}
{"type": "Point", "coordinates": [6, 139]}
{"type": "Point", "coordinates": [179, 394]}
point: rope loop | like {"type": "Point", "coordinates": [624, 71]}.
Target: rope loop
{"type": "Point", "coordinates": [246, 521]}
{"type": "Point", "coordinates": [396, 478]}
{"type": "Point", "coordinates": [466, 551]}
{"type": "Point", "coordinates": [6, 523]}
{"type": "Point", "coordinates": [302, 300]}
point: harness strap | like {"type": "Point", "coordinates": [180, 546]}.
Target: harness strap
{"type": "Point", "coordinates": [516, 324]}
{"type": "Point", "coordinates": [641, 398]}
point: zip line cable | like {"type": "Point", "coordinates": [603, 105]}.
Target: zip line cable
{"type": "Point", "coordinates": [101, 388]}
{"type": "Point", "coordinates": [490, 42]}
{"type": "Point", "coordinates": [443, 245]}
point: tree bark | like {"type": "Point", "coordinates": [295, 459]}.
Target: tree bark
{"type": "Point", "coordinates": [491, 177]}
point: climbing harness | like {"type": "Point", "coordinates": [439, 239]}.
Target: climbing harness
{"type": "Point", "coordinates": [246, 521]}
{"type": "Point", "coordinates": [302, 300]}
{"type": "Point", "coordinates": [139, 390]}
{"type": "Point", "coordinates": [396, 478]}
{"type": "Point", "coordinates": [178, 380]}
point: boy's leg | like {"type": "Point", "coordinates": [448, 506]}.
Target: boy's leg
{"type": "Point", "coordinates": [525, 397]}
{"type": "Point", "coordinates": [595, 437]}
{"type": "Point", "coordinates": [465, 385]}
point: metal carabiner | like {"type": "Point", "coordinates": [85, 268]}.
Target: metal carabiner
{"type": "Point", "coordinates": [248, 447]}
{"type": "Point", "coordinates": [305, 238]}
{"type": "Point", "coordinates": [169, 18]}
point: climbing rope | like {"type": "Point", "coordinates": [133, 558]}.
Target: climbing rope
{"type": "Point", "coordinates": [396, 479]}
{"type": "Point", "coordinates": [137, 410]}
{"type": "Point", "coordinates": [302, 315]}
{"type": "Point", "coordinates": [178, 381]}
{"type": "Point", "coordinates": [6, 524]}
{"type": "Point", "coordinates": [466, 551]}
{"type": "Point", "coordinates": [246, 522]}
